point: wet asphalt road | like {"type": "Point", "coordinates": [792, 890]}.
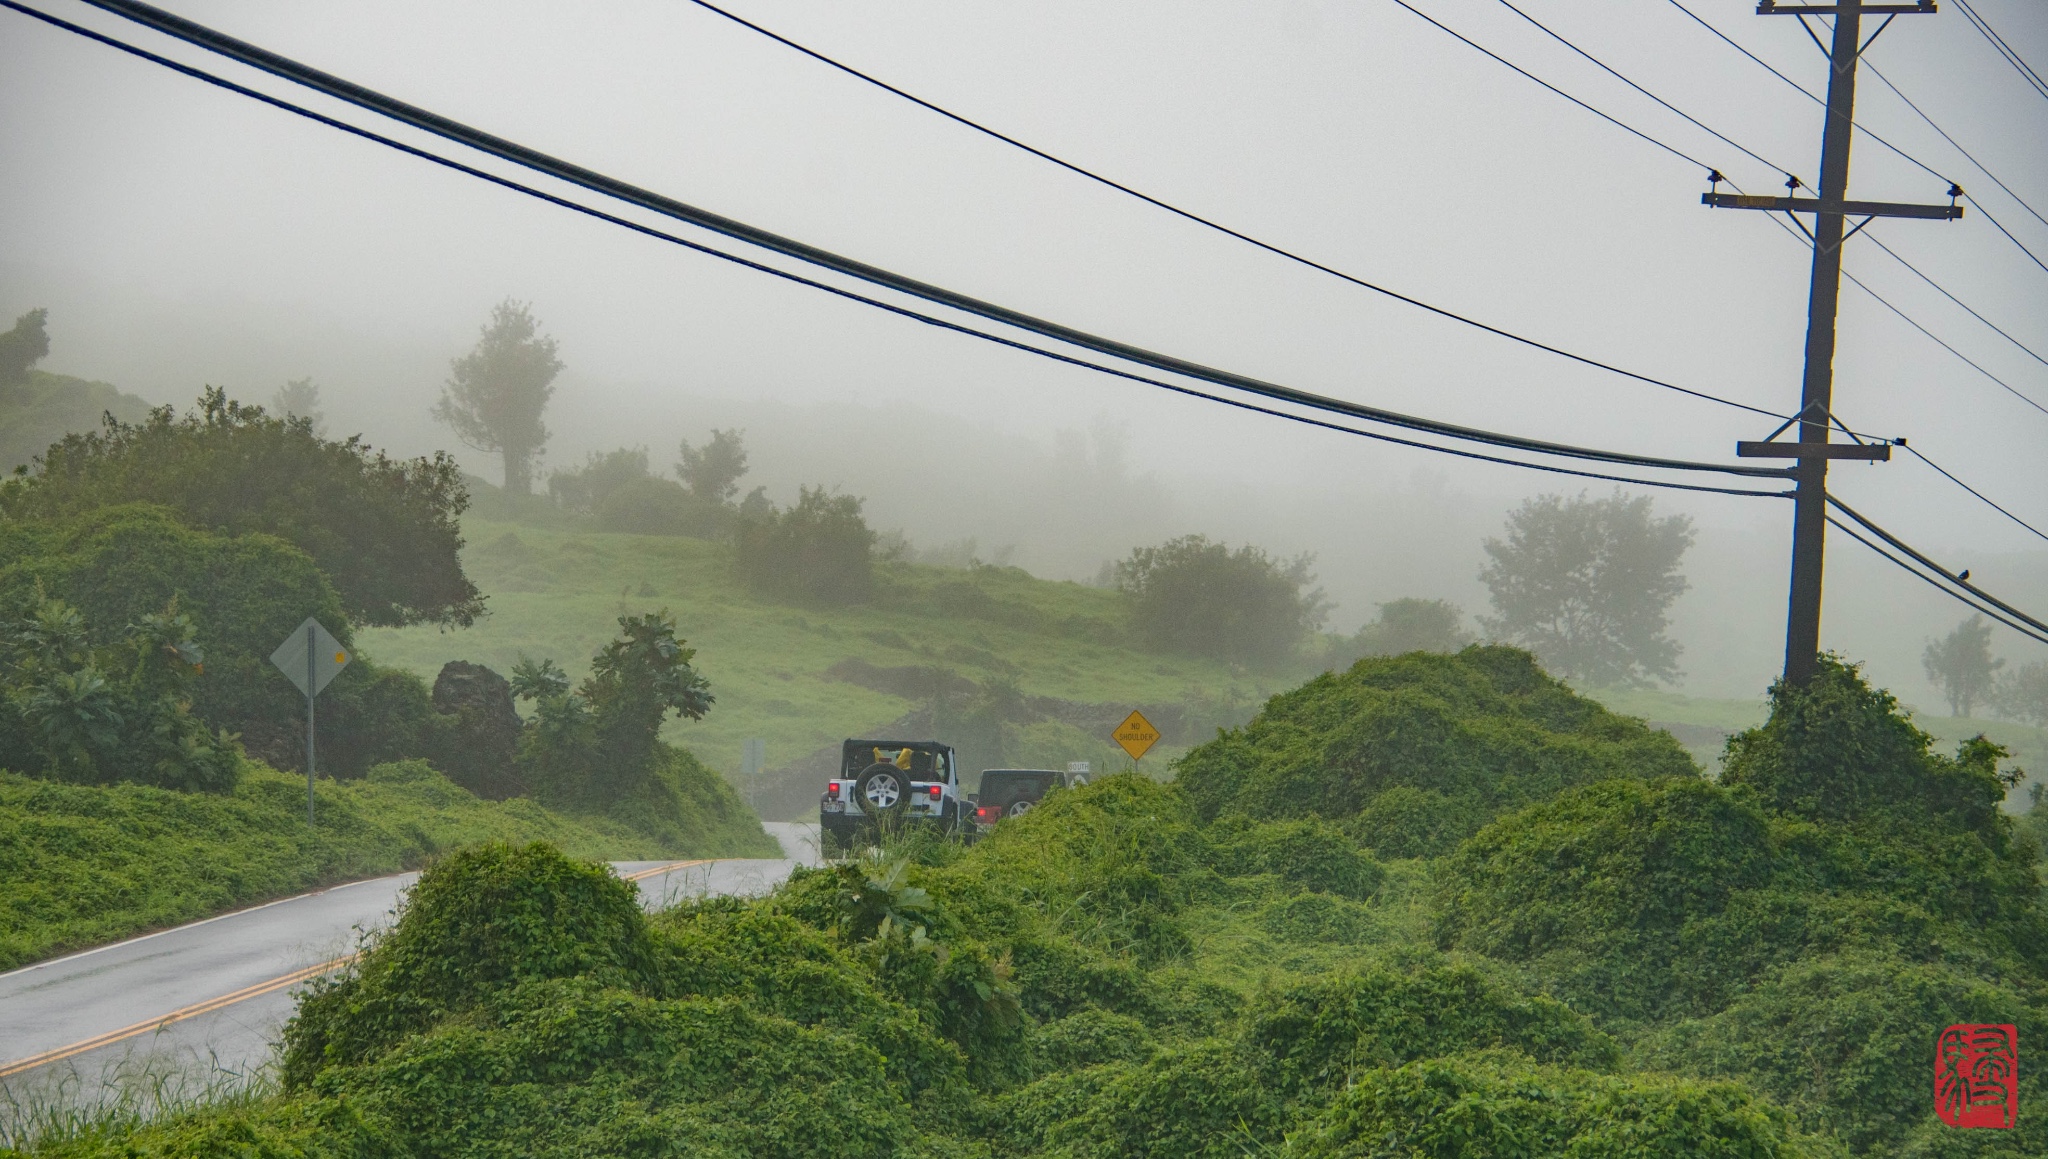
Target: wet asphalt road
{"type": "Point", "coordinates": [202, 1005]}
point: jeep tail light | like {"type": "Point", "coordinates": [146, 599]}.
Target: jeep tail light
{"type": "Point", "coordinates": [986, 811]}
{"type": "Point", "coordinates": [935, 790]}
{"type": "Point", "coordinates": [832, 787]}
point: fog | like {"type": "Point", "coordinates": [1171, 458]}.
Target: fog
{"type": "Point", "coordinates": [181, 235]}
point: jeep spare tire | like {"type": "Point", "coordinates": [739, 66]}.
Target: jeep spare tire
{"type": "Point", "coordinates": [1021, 808]}
{"type": "Point", "coordinates": [882, 791]}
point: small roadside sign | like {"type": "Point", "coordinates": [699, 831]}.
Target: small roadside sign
{"type": "Point", "coordinates": [310, 641]}
{"type": "Point", "coordinates": [311, 658]}
{"type": "Point", "coordinates": [1136, 735]}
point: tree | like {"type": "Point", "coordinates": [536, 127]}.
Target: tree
{"type": "Point", "coordinates": [712, 472]}
{"type": "Point", "coordinates": [385, 531]}
{"type": "Point", "coordinates": [496, 392]}
{"type": "Point", "coordinates": [24, 346]}
{"type": "Point", "coordinates": [300, 399]}
{"type": "Point", "coordinates": [1200, 598]}
{"type": "Point", "coordinates": [2023, 693]}
{"type": "Point", "coordinates": [1585, 584]}
{"type": "Point", "coordinates": [585, 488]}
{"type": "Point", "coordinates": [1407, 625]}
{"type": "Point", "coordinates": [819, 551]}
{"type": "Point", "coordinates": [594, 746]}
{"type": "Point", "coordinates": [1961, 665]}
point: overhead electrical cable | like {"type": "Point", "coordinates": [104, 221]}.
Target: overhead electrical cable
{"type": "Point", "coordinates": [191, 32]}
{"type": "Point", "coordinates": [1695, 121]}
{"type": "Point", "coordinates": [1954, 579]}
{"type": "Point", "coordinates": [2029, 351]}
{"type": "Point", "coordinates": [932, 320]}
{"type": "Point", "coordinates": [1807, 241]}
{"type": "Point", "coordinates": [1967, 155]}
{"type": "Point", "coordinates": [2011, 55]}
{"type": "Point", "coordinates": [1610, 119]}
{"type": "Point", "coordinates": [1930, 581]}
{"type": "Point", "coordinates": [1211, 223]}
{"type": "Point", "coordinates": [1866, 131]}
{"type": "Point", "coordinates": [1972, 490]}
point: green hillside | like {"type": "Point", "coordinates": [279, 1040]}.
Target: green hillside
{"type": "Point", "coordinates": [1701, 725]}
{"type": "Point", "coordinates": [803, 679]}
{"type": "Point", "coordinates": [45, 407]}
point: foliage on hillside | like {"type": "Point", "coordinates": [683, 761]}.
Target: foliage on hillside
{"type": "Point", "coordinates": [1415, 752]}
{"type": "Point", "coordinates": [81, 865]}
{"type": "Point", "coordinates": [383, 530]}
{"type": "Point", "coordinates": [1806, 926]}
{"type": "Point", "coordinates": [1023, 997]}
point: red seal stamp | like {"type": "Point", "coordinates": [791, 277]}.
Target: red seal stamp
{"type": "Point", "coordinates": [1977, 1075]}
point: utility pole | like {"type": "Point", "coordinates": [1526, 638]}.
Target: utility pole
{"type": "Point", "coordinates": [1831, 209]}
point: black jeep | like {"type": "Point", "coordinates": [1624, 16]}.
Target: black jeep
{"type": "Point", "coordinates": [1013, 792]}
{"type": "Point", "coordinates": [894, 782]}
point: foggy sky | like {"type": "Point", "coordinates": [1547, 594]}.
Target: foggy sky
{"type": "Point", "coordinates": [181, 235]}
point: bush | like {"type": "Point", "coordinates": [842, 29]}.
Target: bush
{"type": "Point", "coordinates": [243, 595]}
{"type": "Point", "coordinates": [490, 918]}
{"type": "Point", "coordinates": [819, 551]}
{"type": "Point", "coordinates": [1199, 598]}
{"type": "Point", "coordinates": [658, 507]}
{"type": "Point", "coordinates": [73, 712]}
{"type": "Point", "coordinates": [1500, 1106]}
{"type": "Point", "coordinates": [1311, 855]}
{"type": "Point", "coordinates": [599, 745]}
{"type": "Point", "coordinates": [1485, 730]}
{"type": "Point", "coordinates": [1406, 625]}
{"type": "Point", "coordinates": [384, 530]}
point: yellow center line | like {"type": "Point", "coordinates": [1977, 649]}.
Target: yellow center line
{"type": "Point", "coordinates": [644, 874]}
{"type": "Point", "coordinates": [179, 1015]}
{"type": "Point", "coordinates": [244, 994]}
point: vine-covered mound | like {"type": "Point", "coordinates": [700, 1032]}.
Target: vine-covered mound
{"type": "Point", "coordinates": [1416, 752]}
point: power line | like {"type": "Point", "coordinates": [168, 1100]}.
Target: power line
{"type": "Point", "coordinates": [1210, 223]}
{"type": "Point", "coordinates": [1971, 157]}
{"type": "Point", "coordinates": [1972, 490]}
{"type": "Point", "coordinates": [1695, 121]}
{"type": "Point", "coordinates": [2005, 50]}
{"type": "Point", "coordinates": [1958, 301]}
{"type": "Point", "coordinates": [1612, 120]}
{"type": "Point", "coordinates": [191, 32]}
{"type": "Point", "coordinates": [902, 311]}
{"type": "Point", "coordinates": [1930, 581]}
{"type": "Point", "coordinates": [1932, 337]}
{"type": "Point", "coordinates": [1953, 578]}
{"type": "Point", "coordinates": [1868, 132]}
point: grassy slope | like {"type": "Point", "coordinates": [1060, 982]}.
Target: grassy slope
{"type": "Point", "coordinates": [80, 865]}
{"type": "Point", "coordinates": [558, 593]}
{"type": "Point", "coordinates": [2029, 745]}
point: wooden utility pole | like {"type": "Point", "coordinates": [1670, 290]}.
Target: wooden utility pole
{"type": "Point", "coordinates": [1831, 209]}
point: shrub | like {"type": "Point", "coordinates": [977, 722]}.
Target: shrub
{"type": "Point", "coordinates": [383, 530]}
{"type": "Point", "coordinates": [1484, 729]}
{"type": "Point", "coordinates": [600, 744]}
{"type": "Point", "coordinates": [1200, 598]}
{"type": "Point", "coordinates": [122, 712]}
{"type": "Point", "coordinates": [657, 507]}
{"type": "Point", "coordinates": [819, 551]}
{"type": "Point", "coordinates": [489, 918]}
{"type": "Point", "coordinates": [1500, 1106]}
{"type": "Point", "coordinates": [1310, 855]}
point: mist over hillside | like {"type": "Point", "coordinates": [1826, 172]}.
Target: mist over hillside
{"type": "Point", "coordinates": [1080, 482]}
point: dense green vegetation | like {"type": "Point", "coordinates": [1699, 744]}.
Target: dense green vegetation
{"type": "Point", "coordinates": [81, 865]}
{"type": "Point", "coordinates": [930, 642]}
{"type": "Point", "coordinates": [1627, 959]}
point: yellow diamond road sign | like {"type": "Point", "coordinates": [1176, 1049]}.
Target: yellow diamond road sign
{"type": "Point", "coordinates": [1136, 735]}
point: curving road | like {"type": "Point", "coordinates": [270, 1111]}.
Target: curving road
{"type": "Point", "coordinates": [200, 1006]}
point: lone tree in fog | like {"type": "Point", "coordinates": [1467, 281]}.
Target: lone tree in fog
{"type": "Point", "coordinates": [300, 399]}
{"type": "Point", "coordinates": [712, 472]}
{"type": "Point", "coordinates": [1201, 598]}
{"type": "Point", "coordinates": [1585, 583]}
{"type": "Point", "coordinates": [496, 392]}
{"type": "Point", "coordinates": [23, 346]}
{"type": "Point", "coordinates": [1960, 664]}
